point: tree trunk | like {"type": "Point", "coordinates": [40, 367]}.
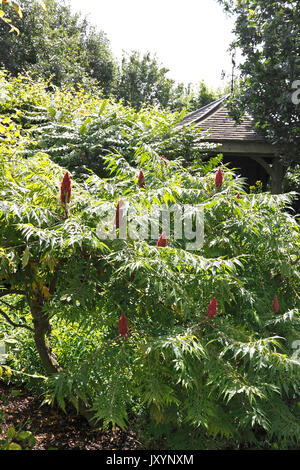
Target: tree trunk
{"type": "Point", "coordinates": [42, 329]}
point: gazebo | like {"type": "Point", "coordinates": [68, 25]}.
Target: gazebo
{"type": "Point", "coordinates": [242, 145]}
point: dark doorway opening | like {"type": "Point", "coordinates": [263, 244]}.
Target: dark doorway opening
{"type": "Point", "coordinates": [248, 168]}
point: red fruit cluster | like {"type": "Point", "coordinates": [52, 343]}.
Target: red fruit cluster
{"type": "Point", "coordinates": [141, 180]}
{"type": "Point", "coordinates": [275, 304]}
{"type": "Point", "coordinates": [162, 240]}
{"type": "Point", "coordinates": [65, 189]}
{"type": "Point", "coordinates": [212, 308]}
{"type": "Point", "coordinates": [164, 159]}
{"type": "Point", "coordinates": [219, 178]}
{"type": "Point", "coordinates": [238, 196]}
{"type": "Point", "coordinates": [122, 325]}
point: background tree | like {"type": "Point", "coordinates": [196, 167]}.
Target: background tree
{"type": "Point", "coordinates": [191, 97]}
{"type": "Point", "coordinates": [142, 81]}
{"type": "Point", "coordinates": [58, 44]}
{"type": "Point", "coordinates": [7, 6]}
{"type": "Point", "coordinates": [268, 36]}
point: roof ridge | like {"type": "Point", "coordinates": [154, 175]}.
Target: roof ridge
{"type": "Point", "coordinates": [214, 118]}
{"type": "Point", "coordinates": [217, 105]}
{"type": "Point", "coordinates": [210, 107]}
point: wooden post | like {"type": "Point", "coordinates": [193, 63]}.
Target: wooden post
{"type": "Point", "coordinates": [277, 176]}
{"type": "Point", "coordinates": [275, 171]}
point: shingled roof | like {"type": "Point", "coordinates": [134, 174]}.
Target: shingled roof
{"type": "Point", "coordinates": [214, 118]}
{"type": "Point", "coordinates": [240, 144]}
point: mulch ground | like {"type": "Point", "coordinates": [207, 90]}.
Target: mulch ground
{"type": "Point", "coordinates": [53, 429]}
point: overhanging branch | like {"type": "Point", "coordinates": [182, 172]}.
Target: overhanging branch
{"type": "Point", "coordinates": [15, 325]}
{"type": "Point", "coordinates": [4, 292]}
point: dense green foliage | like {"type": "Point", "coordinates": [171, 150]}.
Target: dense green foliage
{"type": "Point", "coordinates": [55, 43]}
{"type": "Point", "coordinates": [267, 33]}
{"type": "Point", "coordinates": [232, 378]}
{"type": "Point", "coordinates": [5, 18]}
{"type": "Point", "coordinates": [58, 45]}
{"type": "Point", "coordinates": [79, 130]}
{"type": "Point", "coordinates": [142, 81]}
{"type": "Point", "coordinates": [194, 97]}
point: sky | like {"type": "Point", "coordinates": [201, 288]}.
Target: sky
{"type": "Point", "coordinates": [189, 37]}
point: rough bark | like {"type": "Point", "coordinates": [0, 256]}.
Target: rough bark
{"type": "Point", "coordinates": [42, 329]}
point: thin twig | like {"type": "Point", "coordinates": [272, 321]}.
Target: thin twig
{"type": "Point", "coordinates": [11, 291]}
{"type": "Point", "coordinates": [8, 305]}
{"type": "Point", "coordinates": [16, 325]}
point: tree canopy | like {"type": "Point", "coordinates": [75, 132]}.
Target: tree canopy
{"type": "Point", "coordinates": [268, 36]}
{"type": "Point", "coordinates": [63, 47]}
{"type": "Point", "coordinates": [57, 44]}
{"type": "Point", "coordinates": [142, 81]}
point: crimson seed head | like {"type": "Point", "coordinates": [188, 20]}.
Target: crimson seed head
{"type": "Point", "coordinates": [65, 189]}
{"type": "Point", "coordinates": [122, 325]}
{"type": "Point", "coordinates": [275, 304]}
{"type": "Point", "coordinates": [212, 308]}
{"type": "Point", "coordinates": [141, 180]}
{"type": "Point", "coordinates": [164, 159]}
{"type": "Point", "coordinates": [162, 241]}
{"type": "Point", "coordinates": [219, 178]}
{"type": "Point", "coordinates": [238, 196]}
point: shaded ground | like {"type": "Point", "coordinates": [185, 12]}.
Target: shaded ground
{"type": "Point", "coordinates": [53, 429]}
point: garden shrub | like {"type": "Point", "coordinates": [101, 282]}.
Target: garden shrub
{"type": "Point", "coordinates": [79, 129]}
{"type": "Point", "coordinates": [210, 335]}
